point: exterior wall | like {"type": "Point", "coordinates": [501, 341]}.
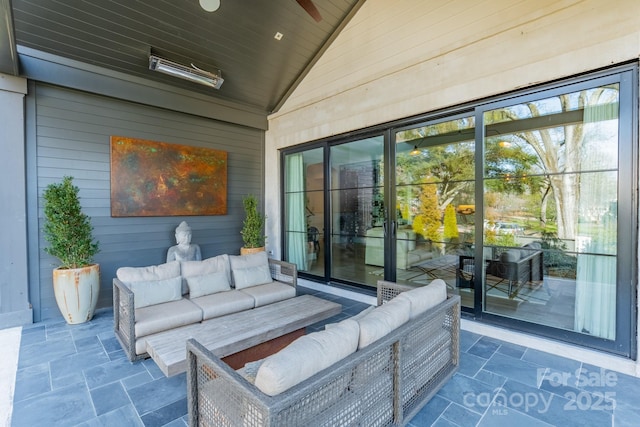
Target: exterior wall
{"type": "Point", "coordinates": [14, 303]}
{"type": "Point", "coordinates": [399, 59]}
{"type": "Point", "coordinates": [69, 134]}
{"type": "Point", "coordinates": [392, 62]}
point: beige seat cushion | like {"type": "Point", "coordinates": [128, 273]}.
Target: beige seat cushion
{"type": "Point", "coordinates": [425, 297]}
{"type": "Point", "coordinates": [306, 356]}
{"type": "Point", "coordinates": [169, 315]}
{"type": "Point", "coordinates": [221, 303]}
{"type": "Point", "coordinates": [382, 320]}
{"type": "Point", "coordinates": [269, 293]}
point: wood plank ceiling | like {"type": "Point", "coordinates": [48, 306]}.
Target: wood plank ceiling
{"type": "Point", "coordinates": [238, 39]}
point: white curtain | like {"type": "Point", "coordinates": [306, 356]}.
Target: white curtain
{"type": "Point", "coordinates": [296, 229]}
{"type": "Point", "coordinates": [595, 305]}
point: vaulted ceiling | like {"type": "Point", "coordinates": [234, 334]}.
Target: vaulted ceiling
{"type": "Point", "coordinates": [239, 39]}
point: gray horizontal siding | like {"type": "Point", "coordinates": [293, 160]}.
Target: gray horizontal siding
{"type": "Point", "coordinates": [72, 134]}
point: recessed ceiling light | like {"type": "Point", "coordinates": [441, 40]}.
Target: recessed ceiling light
{"type": "Point", "coordinates": [278, 36]}
{"type": "Point", "coordinates": [210, 5]}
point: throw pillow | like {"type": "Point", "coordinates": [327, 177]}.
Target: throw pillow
{"type": "Point", "coordinates": [251, 276]}
{"type": "Point", "coordinates": [306, 356]}
{"type": "Point", "coordinates": [207, 284]}
{"type": "Point", "coordinates": [206, 266]}
{"type": "Point", "coordinates": [153, 292]}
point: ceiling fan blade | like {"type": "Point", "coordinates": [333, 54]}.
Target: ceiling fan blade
{"type": "Point", "coordinates": [311, 9]}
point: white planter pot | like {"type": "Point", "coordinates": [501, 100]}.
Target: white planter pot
{"type": "Point", "coordinates": [76, 291]}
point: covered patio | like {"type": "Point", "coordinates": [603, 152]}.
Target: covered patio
{"type": "Point", "coordinates": [368, 63]}
{"type": "Point", "coordinates": [79, 375]}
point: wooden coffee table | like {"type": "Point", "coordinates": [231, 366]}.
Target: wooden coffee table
{"type": "Point", "coordinates": [241, 337]}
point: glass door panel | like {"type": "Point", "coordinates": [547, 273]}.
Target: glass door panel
{"type": "Point", "coordinates": [551, 211]}
{"type": "Point", "coordinates": [304, 210]}
{"type": "Point", "coordinates": [357, 211]}
{"type": "Point", "coordinates": [435, 204]}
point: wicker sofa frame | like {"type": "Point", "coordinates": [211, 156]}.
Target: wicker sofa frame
{"type": "Point", "coordinates": [384, 384]}
{"type": "Point", "coordinates": [124, 319]}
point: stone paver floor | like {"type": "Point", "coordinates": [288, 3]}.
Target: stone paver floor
{"type": "Point", "coordinates": [79, 376]}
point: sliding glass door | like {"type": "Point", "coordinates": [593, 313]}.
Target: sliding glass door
{"type": "Point", "coordinates": [551, 179]}
{"type": "Point", "coordinates": [524, 205]}
{"type": "Point", "coordinates": [358, 218]}
{"type": "Point", "coordinates": [351, 188]}
{"type": "Point", "coordinates": [304, 210]}
{"type": "Point", "coordinates": [435, 203]}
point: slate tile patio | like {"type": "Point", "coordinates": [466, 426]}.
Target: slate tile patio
{"type": "Point", "coordinates": [79, 376]}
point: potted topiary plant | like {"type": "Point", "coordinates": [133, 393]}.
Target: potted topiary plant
{"type": "Point", "coordinates": [76, 282]}
{"type": "Point", "coordinates": [252, 230]}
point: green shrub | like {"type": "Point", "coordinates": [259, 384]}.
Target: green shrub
{"type": "Point", "coordinates": [253, 225]}
{"type": "Point", "coordinates": [67, 229]}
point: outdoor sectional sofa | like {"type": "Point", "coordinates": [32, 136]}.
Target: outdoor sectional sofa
{"type": "Point", "coordinates": [378, 368]}
{"type": "Point", "coordinates": [151, 300]}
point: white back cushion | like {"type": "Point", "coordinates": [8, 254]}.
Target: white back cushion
{"type": "Point", "coordinates": [307, 356]}
{"type": "Point", "coordinates": [425, 297]}
{"type": "Point", "coordinates": [250, 260]}
{"type": "Point", "coordinates": [382, 320]}
{"type": "Point", "coordinates": [152, 272]}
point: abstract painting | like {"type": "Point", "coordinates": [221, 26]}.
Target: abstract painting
{"type": "Point", "coordinates": [150, 178]}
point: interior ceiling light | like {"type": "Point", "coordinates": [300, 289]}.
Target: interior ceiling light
{"type": "Point", "coordinates": [210, 5]}
{"type": "Point", "coordinates": [415, 151]}
{"type": "Point", "coordinates": [192, 73]}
